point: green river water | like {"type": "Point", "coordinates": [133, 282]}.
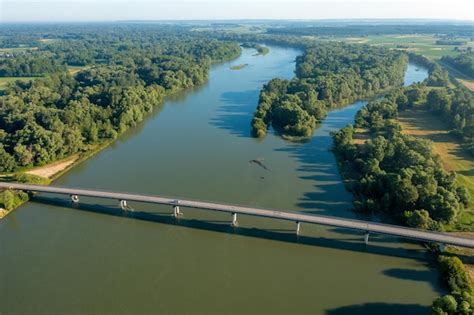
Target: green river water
{"type": "Point", "coordinates": [93, 259]}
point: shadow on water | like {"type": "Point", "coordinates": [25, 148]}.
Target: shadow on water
{"type": "Point", "coordinates": [318, 164]}
{"type": "Point", "coordinates": [236, 112]}
{"type": "Point", "coordinates": [380, 308]}
{"type": "Point", "coordinates": [378, 238]}
{"type": "Point", "coordinates": [411, 275]}
{"type": "Point", "coordinates": [223, 226]}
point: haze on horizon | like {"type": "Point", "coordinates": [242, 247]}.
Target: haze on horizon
{"type": "Point", "coordinates": [115, 10]}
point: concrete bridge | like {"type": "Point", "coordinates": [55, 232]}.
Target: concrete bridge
{"type": "Point", "coordinates": [442, 239]}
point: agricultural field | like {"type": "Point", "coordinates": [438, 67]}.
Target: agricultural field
{"type": "Point", "coordinates": [17, 49]}
{"type": "Point", "coordinates": [420, 44]}
{"type": "Point", "coordinates": [232, 28]}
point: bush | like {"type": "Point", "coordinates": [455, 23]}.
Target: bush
{"type": "Point", "coordinates": [454, 274]}
{"type": "Point", "coordinates": [453, 304]}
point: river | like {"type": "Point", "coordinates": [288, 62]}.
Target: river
{"type": "Point", "coordinates": [55, 258]}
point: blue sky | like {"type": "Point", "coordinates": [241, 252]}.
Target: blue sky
{"type": "Point", "coordinates": [111, 10]}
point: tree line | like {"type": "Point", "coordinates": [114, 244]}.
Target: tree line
{"type": "Point", "coordinates": [464, 63]}
{"type": "Point", "coordinates": [400, 174]}
{"type": "Point", "coordinates": [53, 47]}
{"type": "Point", "coordinates": [395, 173]}
{"type": "Point", "coordinates": [450, 100]}
{"type": "Point", "coordinates": [327, 75]}
{"type": "Point", "coordinates": [460, 300]}
{"type": "Point", "coordinates": [30, 64]}
{"type": "Point", "coordinates": [360, 29]}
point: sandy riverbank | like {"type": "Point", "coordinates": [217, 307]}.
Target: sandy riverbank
{"type": "Point", "coordinates": [50, 170]}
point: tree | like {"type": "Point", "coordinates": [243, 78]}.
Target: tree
{"type": "Point", "coordinates": [7, 162]}
{"type": "Point", "coordinates": [445, 305]}
{"type": "Point", "coordinates": [453, 272]}
{"type": "Point", "coordinates": [23, 155]}
{"type": "Point", "coordinates": [8, 200]}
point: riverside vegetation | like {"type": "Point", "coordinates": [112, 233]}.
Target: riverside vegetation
{"type": "Point", "coordinates": [60, 114]}
{"type": "Point", "coordinates": [327, 76]}
{"type": "Point", "coordinates": [420, 192]}
{"type": "Point", "coordinates": [128, 77]}
{"type": "Point", "coordinates": [261, 50]}
{"type": "Point", "coordinates": [399, 175]}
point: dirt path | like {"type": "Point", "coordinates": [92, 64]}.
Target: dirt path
{"type": "Point", "coordinates": [50, 170]}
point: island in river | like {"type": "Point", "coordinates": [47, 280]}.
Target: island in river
{"type": "Point", "coordinates": [199, 146]}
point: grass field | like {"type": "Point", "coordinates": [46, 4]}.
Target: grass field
{"type": "Point", "coordinates": [5, 80]}
{"type": "Point", "coordinates": [17, 49]}
{"type": "Point", "coordinates": [421, 44]}
{"type": "Point", "coordinates": [422, 123]}
{"type": "Point", "coordinates": [76, 69]}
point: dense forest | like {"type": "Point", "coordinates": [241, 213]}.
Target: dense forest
{"type": "Point", "coordinates": [49, 48]}
{"type": "Point", "coordinates": [327, 75]}
{"type": "Point", "coordinates": [63, 114]}
{"type": "Point", "coordinates": [30, 64]}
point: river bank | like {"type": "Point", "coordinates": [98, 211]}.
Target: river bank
{"type": "Point", "coordinates": [48, 173]}
{"type": "Point", "coordinates": [199, 147]}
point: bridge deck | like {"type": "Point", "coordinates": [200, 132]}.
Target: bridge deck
{"type": "Point", "coordinates": [366, 226]}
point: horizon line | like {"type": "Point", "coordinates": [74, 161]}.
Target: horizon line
{"type": "Point", "coordinates": [242, 20]}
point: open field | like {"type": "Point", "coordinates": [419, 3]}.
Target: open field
{"type": "Point", "coordinates": [5, 80]}
{"type": "Point", "coordinates": [76, 69]}
{"type": "Point", "coordinates": [232, 28]}
{"type": "Point", "coordinates": [421, 44]}
{"type": "Point", "coordinates": [360, 135]}
{"type": "Point", "coordinates": [17, 49]}
{"type": "Point", "coordinates": [422, 123]}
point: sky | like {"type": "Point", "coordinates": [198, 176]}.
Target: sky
{"type": "Point", "coordinates": [114, 10]}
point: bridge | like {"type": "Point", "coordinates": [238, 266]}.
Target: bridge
{"type": "Point", "coordinates": [367, 227]}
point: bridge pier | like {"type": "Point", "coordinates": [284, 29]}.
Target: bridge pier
{"type": "Point", "coordinates": [366, 238]}
{"type": "Point", "coordinates": [298, 228]}
{"type": "Point", "coordinates": [176, 211]}
{"type": "Point", "coordinates": [234, 219]}
{"type": "Point", "coordinates": [75, 198]}
{"type": "Point", "coordinates": [123, 205]}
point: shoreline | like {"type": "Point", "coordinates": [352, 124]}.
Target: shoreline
{"type": "Point", "coordinates": [70, 162]}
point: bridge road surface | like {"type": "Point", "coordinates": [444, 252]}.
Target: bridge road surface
{"type": "Point", "coordinates": [366, 226]}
